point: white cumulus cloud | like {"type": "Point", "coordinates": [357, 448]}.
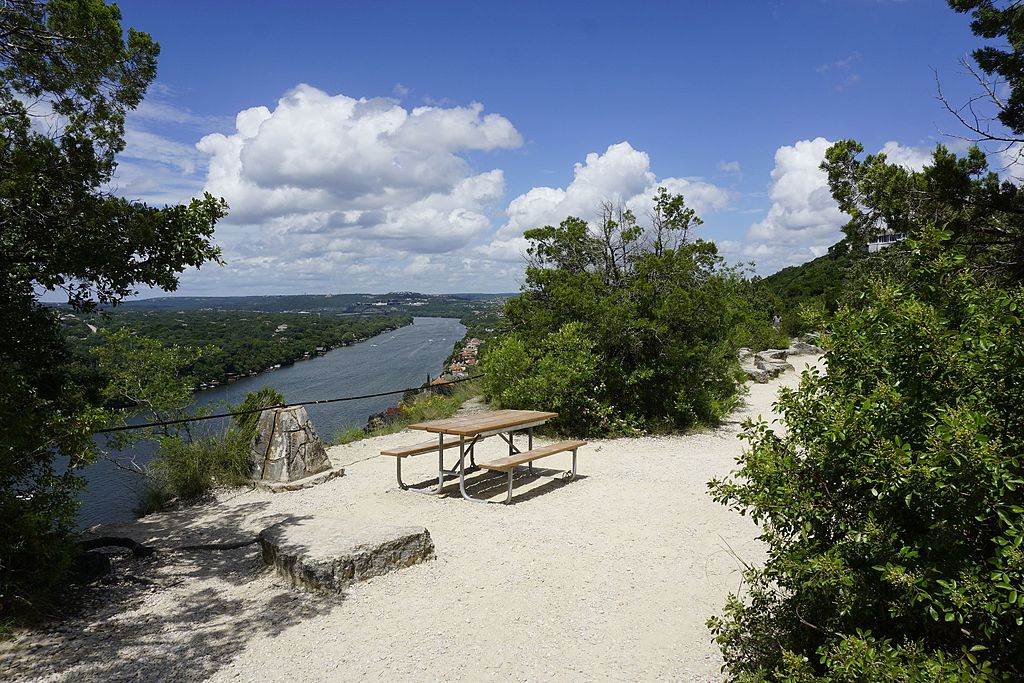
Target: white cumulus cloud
{"type": "Point", "coordinates": [621, 175]}
{"type": "Point", "coordinates": [322, 183]}
{"type": "Point", "coordinates": [912, 158]}
{"type": "Point", "coordinates": [803, 220]}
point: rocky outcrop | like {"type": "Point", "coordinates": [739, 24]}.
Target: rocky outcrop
{"type": "Point", "coordinates": [287, 447]}
{"type": "Point", "coordinates": [772, 362]}
{"type": "Point", "coordinates": [325, 554]}
{"type": "Point", "coordinates": [798, 347]}
{"type": "Point", "coordinates": [766, 365]}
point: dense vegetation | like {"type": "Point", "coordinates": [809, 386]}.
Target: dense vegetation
{"type": "Point", "coordinates": [797, 292]}
{"type": "Point", "coordinates": [892, 507]}
{"type": "Point", "coordinates": [626, 329]}
{"type": "Point", "coordinates": [238, 343]}
{"type": "Point", "coordinates": [59, 229]}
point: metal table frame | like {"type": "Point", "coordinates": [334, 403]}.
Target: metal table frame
{"type": "Point", "coordinates": [467, 443]}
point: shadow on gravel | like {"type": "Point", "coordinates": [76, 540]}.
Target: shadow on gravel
{"type": "Point", "coordinates": [180, 615]}
{"type": "Point", "coordinates": [493, 486]}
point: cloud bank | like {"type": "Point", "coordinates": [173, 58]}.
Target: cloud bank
{"type": "Point", "coordinates": [803, 219]}
{"type": "Point", "coordinates": [328, 185]}
{"type": "Point", "coordinates": [621, 175]}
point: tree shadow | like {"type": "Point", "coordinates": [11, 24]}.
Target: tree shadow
{"type": "Point", "coordinates": [181, 614]}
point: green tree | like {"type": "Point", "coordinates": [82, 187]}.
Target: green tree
{"type": "Point", "coordinates": [984, 214]}
{"type": "Point", "coordinates": [892, 506]}
{"type": "Point", "coordinates": [1003, 66]}
{"type": "Point", "coordinates": [628, 327]}
{"type": "Point", "coordinates": [68, 75]}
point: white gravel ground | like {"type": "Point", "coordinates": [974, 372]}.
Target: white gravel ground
{"type": "Point", "coordinates": [609, 577]}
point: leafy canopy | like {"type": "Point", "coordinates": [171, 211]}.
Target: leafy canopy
{"type": "Point", "coordinates": [68, 75]}
{"type": "Point", "coordinates": [984, 215]}
{"type": "Point", "coordinates": [623, 327]}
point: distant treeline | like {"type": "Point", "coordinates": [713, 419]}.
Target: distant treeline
{"type": "Point", "coordinates": [821, 283]}
{"type": "Point", "coordinates": [430, 305]}
{"type": "Point", "coordinates": [242, 343]}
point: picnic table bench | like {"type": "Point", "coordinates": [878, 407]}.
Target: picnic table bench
{"type": "Point", "coordinates": [510, 462]}
{"type": "Point", "coordinates": [466, 432]}
{"type": "Point", "coordinates": [431, 446]}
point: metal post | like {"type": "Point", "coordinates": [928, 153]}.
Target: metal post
{"type": "Point", "coordinates": [529, 444]}
{"type": "Point", "coordinates": [440, 462]}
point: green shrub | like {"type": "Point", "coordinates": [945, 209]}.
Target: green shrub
{"type": "Point", "coordinates": [420, 406]}
{"type": "Point", "coordinates": [626, 329]}
{"type": "Point", "coordinates": [893, 506]}
{"type": "Point", "coordinates": [562, 373]}
{"type": "Point", "coordinates": [188, 465]}
{"type": "Point", "coordinates": [188, 470]}
{"type": "Point", "coordinates": [255, 400]}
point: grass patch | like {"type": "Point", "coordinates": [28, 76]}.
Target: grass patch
{"type": "Point", "coordinates": [188, 470]}
{"type": "Point", "coordinates": [434, 405]}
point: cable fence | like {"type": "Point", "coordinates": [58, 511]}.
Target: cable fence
{"type": "Point", "coordinates": [199, 418]}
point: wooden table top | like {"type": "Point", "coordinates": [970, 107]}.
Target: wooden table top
{"type": "Point", "coordinates": [498, 420]}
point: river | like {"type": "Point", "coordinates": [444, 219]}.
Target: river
{"type": "Point", "coordinates": [393, 360]}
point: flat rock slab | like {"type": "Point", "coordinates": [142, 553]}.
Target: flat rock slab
{"type": "Point", "coordinates": [298, 484]}
{"type": "Point", "coordinates": [326, 554]}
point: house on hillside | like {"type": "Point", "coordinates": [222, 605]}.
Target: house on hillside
{"type": "Point", "coordinates": [884, 240]}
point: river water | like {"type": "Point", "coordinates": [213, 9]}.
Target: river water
{"type": "Point", "coordinates": [393, 360]}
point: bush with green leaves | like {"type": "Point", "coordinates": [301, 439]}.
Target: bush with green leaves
{"type": "Point", "coordinates": [62, 229]}
{"type": "Point", "coordinates": [893, 505]}
{"type": "Point", "coordinates": [561, 374]}
{"type": "Point", "coordinates": [623, 328]}
{"type": "Point", "coordinates": [152, 380]}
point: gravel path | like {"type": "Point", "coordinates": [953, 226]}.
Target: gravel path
{"type": "Point", "coordinates": [610, 577]}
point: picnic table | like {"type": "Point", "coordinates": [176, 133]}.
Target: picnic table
{"type": "Point", "coordinates": [466, 432]}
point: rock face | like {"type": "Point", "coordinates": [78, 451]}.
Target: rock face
{"type": "Point", "coordinates": [287, 447]}
{"type": "Point", "coordinates": [325, 554]}
{"type": "Point", "coordinates": [773, 363]}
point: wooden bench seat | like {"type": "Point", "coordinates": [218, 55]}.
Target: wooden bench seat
{"type": "Point", "coordinates": [509, 461]}
{"type": "Point", "coordinates": [421, 447]}
{"type": "Point", "coordinates": [429, 447]}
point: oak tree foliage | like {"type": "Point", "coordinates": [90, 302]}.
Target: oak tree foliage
{"type": "Point", "coordinates": [623, 327]}
{"type": "Point", "coordinates": [68, 76]}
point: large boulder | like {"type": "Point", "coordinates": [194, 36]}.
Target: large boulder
{"type": "Point", "coordinates": [326, 554]}
{"type": "Point", "coordinates": [287, 447]}
{"type": "Point", "coordinates": [766, 365]}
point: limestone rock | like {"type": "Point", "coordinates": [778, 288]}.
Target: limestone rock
{"type": "Point", "coordinates": [756, 374]}
{"type": "Point", "coordinates": [325, 554]}
{"type": "Point", "coordinates": [771, 355]}
{"type": "Point", "coordinates": [287, 447]}
{"type": "Point", "coordinates": [799, 348]}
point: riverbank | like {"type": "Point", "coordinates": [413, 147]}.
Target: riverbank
{"type": "Point", "coordinates": [390, 361]}
{"type": "Point", "coordinates": [611, 576]}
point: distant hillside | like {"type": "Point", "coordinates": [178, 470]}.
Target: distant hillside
{"type": "Point", "coordinates": [448, 305]}
{"type": "Point", "coordinates": [823, 279]}
{"type": "Point", "coordinates": [254, 333]}
{"type": "Point", "coordinates": [247, 342]}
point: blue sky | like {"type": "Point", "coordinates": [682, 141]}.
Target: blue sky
{"type": "Point", "coordinates": [372, 146]}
